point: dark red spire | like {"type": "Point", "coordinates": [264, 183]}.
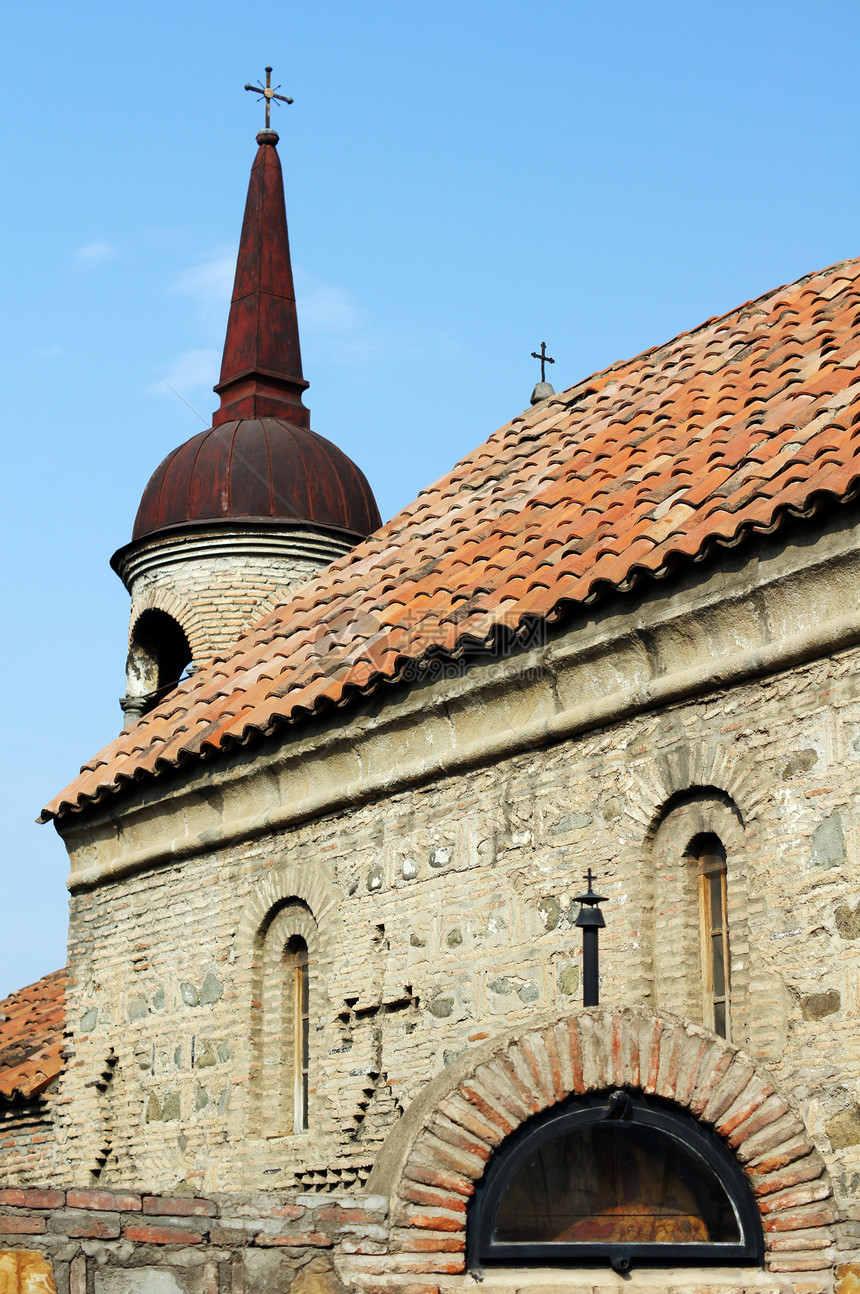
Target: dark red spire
{"type": "Point", "coordinates": [261, 372]}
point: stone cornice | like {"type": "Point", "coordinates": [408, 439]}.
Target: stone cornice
{"type": "Point", "coordinates": [229, 540]}
{"type": "Point", "coordinates": [755, 614]}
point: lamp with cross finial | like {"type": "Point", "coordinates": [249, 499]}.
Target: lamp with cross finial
{"type": "Point", "coordinates": [590, 921]}
{"type": "Point", "coordinates": [542, 388]}
{"type": "Point", "coordinates": [268, 93]}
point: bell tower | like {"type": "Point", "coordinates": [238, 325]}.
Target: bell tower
{"type": "Point", "coordinates": [247, 511]}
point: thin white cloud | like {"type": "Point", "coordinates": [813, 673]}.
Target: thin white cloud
{"type": "Point", "coordinates": [208, 286]}
{"type": "Point", "coordinates": [192, 374]}
{"type": "Point", "coordinates": [327, 309]}
{"type": "Point", "coordinates": [95, 253]}
{"type": "Point", "coordinates": [331, 318]}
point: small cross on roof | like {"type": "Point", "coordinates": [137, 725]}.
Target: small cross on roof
{"type": "Point", "coordinates": [543, 357]}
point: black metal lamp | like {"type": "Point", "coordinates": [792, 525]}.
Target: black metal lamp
{"type": "Point", "coordinates": [590, 921]}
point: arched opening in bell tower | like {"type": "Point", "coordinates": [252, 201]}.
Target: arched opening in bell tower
{"type": "Point", "coordinates": [158, 654]}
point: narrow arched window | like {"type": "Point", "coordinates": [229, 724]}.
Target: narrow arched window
{"type": "Point", "coordinates": [296, 957]}
{"type": "Point", "coordinates": [285, 985]}
{"type": "Point", "coordinates": [714, 924]}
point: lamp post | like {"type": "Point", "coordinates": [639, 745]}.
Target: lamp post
{"type": "Point", "coordinates": [590, 921]}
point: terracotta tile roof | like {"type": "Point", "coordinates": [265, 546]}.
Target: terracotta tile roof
{"type": "Point", "coordinates": [31, 1037]}
{"type": "Point", "coordinates": [721, 432]}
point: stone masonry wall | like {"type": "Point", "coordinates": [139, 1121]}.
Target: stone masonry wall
{"type": "Point", "coordinates": [101, 1242]}
{"type": "Point", "coordinates": [445, 914]}
{"type": "Point", "coordinates": [410, 1236]}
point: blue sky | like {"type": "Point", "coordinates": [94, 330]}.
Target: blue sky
{"type": "Point", "coordinates": [464, 180]}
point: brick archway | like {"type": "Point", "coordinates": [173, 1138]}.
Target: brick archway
{"type": "Point", "coordinates": [443, 1143]}
{"type": "Point", "coordinates": [157, 599]}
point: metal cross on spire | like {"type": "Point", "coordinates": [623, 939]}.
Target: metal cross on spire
{"type": "Point", "coordinates": [268, 93]}
{"type": "Point", "coordinates": [543, 357]}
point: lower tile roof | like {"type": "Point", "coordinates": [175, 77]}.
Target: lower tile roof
{"type": "Point", "coordinates": [31, 1037]}
{"type": "Point", "coordinates": [722, 432]}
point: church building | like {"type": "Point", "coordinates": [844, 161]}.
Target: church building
{"type": "Point", "coordinates": [325, 1021]}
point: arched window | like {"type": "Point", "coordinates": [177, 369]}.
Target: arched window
{"type": "Point", "coordinates": [713, 922]}
{"type": "Point", "coordinates": [296, 960]}
{"type": "Point", "coordinates": [281, 1021]}
{"type": "Point", "coordinates": [700, 881]}
{"type": "Point", "coordinates": [615, 1178]}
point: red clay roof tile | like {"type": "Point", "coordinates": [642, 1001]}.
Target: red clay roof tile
{"type": "Point", "coordinates": [31, 1037]}
{"type": "Point", "coordinates": [724, 430]}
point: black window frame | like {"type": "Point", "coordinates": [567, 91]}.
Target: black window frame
{"type": "Point", "coordinates": [576, 1112]}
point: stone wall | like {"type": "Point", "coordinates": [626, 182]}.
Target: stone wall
{"type": "Point", "coordinates": [428, 844]}
{"type": "Point", "coordinates": [408, 1236]}
{"type": "Point", "coordinates": [102, 1242]}
{"type": "Point", "coordinates": [445, 915]}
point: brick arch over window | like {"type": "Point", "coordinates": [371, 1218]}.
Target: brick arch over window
{"type": "Point", "coordinates": [431, 1161]}
{"type": "Point", "coordinates": [158, 599]}
{"type": "Point", "coordinates": [306, 882]}
{"type": "Point", "coordinates": [654, 786]}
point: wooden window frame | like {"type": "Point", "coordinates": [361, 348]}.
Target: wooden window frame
{"type": "Point", "coordinates": [298, 991]}
{"type": "Point", "coordinates": [714, 933]}
{"type": "Point", "coordinates": [283, 1014]}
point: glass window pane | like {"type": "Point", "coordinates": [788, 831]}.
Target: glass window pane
{"type": "Point", "coordinates": [718, 965]}
{"type": "Point", "coordinates": [715, 881]}
{"type": "Point", "coordinates": [720, 1019]}
{"type": "Point", "coordinates": [614, 1183]}
{"type": "Point", "coordinates": [297, 949]}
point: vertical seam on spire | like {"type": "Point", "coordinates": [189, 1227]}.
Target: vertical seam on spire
{"type": "Point", "coordinates": [204, 436]}
{"type": "Point", "coordinates": [166, 468]}
{"type": "Point", "coordinates": [269, 465]}
{"type": "Point", "coordinates": [230, 453]}
{"type": "Point", "coordinates": [258, 296]}
{"type": "Point", "coordinates": [336, 473]}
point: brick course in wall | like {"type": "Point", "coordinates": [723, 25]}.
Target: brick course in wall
{"type": "Point", "coordinates": [242, 1244]}
{"type": "Point", "coordinates": [27, 1136]}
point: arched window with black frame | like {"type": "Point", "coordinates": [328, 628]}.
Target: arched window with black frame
{"type": "Point", "coordinates": [616, 1178]}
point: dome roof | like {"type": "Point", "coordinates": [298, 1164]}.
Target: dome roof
{"type": "Point", "coordinates": [260, 461]}
{"type": "Point", "coordinates": [260, 469]}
